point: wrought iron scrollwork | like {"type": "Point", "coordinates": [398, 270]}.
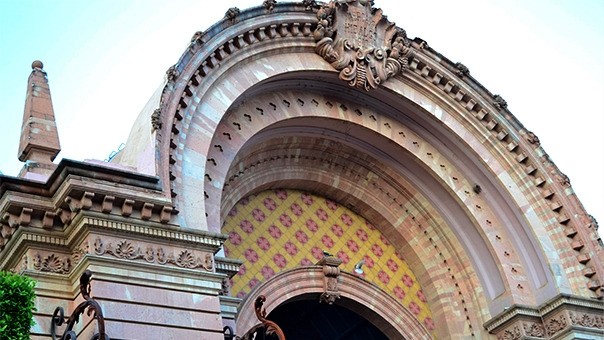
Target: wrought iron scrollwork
{"type": "Point", "coordinates": [90, 306]}
{"type": "Point", "coordinates": [228, 333]}
{"type": "Point", "coordinates": [266, 329]}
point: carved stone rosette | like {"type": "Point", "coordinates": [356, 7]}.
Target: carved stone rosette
{"type": "Point", "coordinates": [357, 40]}
{"type": "Point", "coordinates": [331, 271]}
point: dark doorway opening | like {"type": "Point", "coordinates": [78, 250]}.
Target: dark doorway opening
{"type": "Point", "coordinates": [309, 319]}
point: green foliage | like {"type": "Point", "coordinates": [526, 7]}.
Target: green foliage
{"type": "Point", "coordinates": [16, 305]}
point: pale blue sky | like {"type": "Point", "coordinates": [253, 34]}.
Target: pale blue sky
{"type": "Point", "coordinates": [105, 58]}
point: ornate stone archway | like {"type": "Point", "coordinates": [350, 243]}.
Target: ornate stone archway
{"type": "Point", "coordinates": [465, 190]}
{"type": "Point", "coordinates": [331, 99]}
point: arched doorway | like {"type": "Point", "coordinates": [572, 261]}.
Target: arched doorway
{"type": "Point", "coordinates": [304, 317]}
{"type": "Point", "coordinates": [287, 292]}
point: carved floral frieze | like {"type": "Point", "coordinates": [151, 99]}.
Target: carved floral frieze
{"type": "Point", "coordinates": [52, 263]}
{"type": "Point", "coordinates": [559, 317]}
{"type": "Point", "coordinates": [533, 329]}
{"type": "Point", "coordinates": [555, 324]}
{"type": "Point", "coordinates": [130, 250]}
{"type": "Point", "coordinates": [359, 42]}
{"type": "Point", "coordinates": [511, 334]}
{"type": "Point", "coordinates": [587, 320]}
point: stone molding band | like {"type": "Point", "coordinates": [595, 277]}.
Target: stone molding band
{"type": "Point", "coordinates": [563, 315]}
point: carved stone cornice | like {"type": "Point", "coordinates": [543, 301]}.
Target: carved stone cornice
{"type": "Point", "coordinates": [561, 316]}
{"type": "Point", "coordinates": [227, 265]}
{"type": "Point", "coordinates": [131, 241]}
{"type": "Point", "coordinates": [76, 187]}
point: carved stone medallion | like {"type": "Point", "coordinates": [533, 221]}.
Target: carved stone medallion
{"type": "Point", "coordinates": [357, 40]}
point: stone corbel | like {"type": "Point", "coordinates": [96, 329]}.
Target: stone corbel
{"type": "Point", "coordinates": [107, 204]}
{"type": "Point", "coordinates": [64, 215]}
{"type": "Point", "coordinates": [146, 211]}
{"type": "Point", "coordinates": [166, 213]}
{"type": "Point", "coordinates": [25, 216]}
{"type": "Point", "coordinates": [82, 203]}
{"type": "Point", "coordinates": [7, 227]}
{"type": "Point", "coordinates": [10, 220]}
{"type": "Point", "coordinates": [48, 221]}
{"type": "Point", "coordinates": [127, 207]}
{"type": "Point", "coordinates": [331, 271]}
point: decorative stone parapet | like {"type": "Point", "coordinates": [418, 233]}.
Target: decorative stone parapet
{"type": "Point", "coordinates": [561, 317]}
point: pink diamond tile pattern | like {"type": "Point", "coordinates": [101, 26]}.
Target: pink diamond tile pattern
{"type": "Point", "coordinates": [280, 229]}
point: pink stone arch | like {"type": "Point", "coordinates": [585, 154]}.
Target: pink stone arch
{"type": "Point", "coordinates": [392, 318]}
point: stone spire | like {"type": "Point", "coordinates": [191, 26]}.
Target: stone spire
{"type": "Point", "coordinates": [39, 143]}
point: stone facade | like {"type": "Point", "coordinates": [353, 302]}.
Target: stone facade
{"type": "Point", "coordinates": [328, 99]}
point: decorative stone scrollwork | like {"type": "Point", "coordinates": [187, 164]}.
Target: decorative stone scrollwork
{"type": "Point", "coordinates": [185, 259]}
{"type": "Point", "coordinates": [511, 334]}
{"type": "Point", "coordinates": [309, 4]}
{"type": "Point", "coordinates": [462, 70]}
{"type": "Point", "coordinates": [587, 320]}
{"type": "Point", "coordinates": [172, 73]}
{"type": "Point", "coordinates": [225, 287]}
{"type": "Point", "coordinates": [499, 102]}
{"type": "Point", "coordinates": [8, 225]}
{"type": "Point", "coordinates": [555, 325]}
{"type": "Point", "coordinates": [156, 120]}
{"type": "Point", "coordinates": [532, 138]}
{"type": "Point", "coordinates": [197, 38]}
{"type": "Point", "coordinates": [561, 178]}
{"type": "Point", "coordinates": [52, 263]}
{"type": "Point", "coordinates": [124, 249]}
{"type": "Point", "coordinates": [558, 318]}
{"type": "Point", "coordinates": [357, 40]}
{"type": "Point", "coordinates": [534, 329]}
{"type": "Point", "coordinates": [232, 13]}
{"type": "Point", "coordinates": [269, 5]}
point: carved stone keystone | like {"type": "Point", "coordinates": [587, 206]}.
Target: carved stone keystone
{"type": "Point", "coordinates": [331, 271]}
{"type": "Point", "coordinates": [357, 40]}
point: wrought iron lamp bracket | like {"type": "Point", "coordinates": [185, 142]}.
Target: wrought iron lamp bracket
{"type": "Point", "coordinates": [90, 306]}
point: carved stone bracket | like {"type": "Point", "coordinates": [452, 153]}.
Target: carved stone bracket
{"type": "Point", "coordinates": [331, 271]}
{"type": "Point", "coordinates": [357, 40]}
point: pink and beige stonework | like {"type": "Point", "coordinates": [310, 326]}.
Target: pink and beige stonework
{"type": "Point", "coordinates": [293, 103]}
